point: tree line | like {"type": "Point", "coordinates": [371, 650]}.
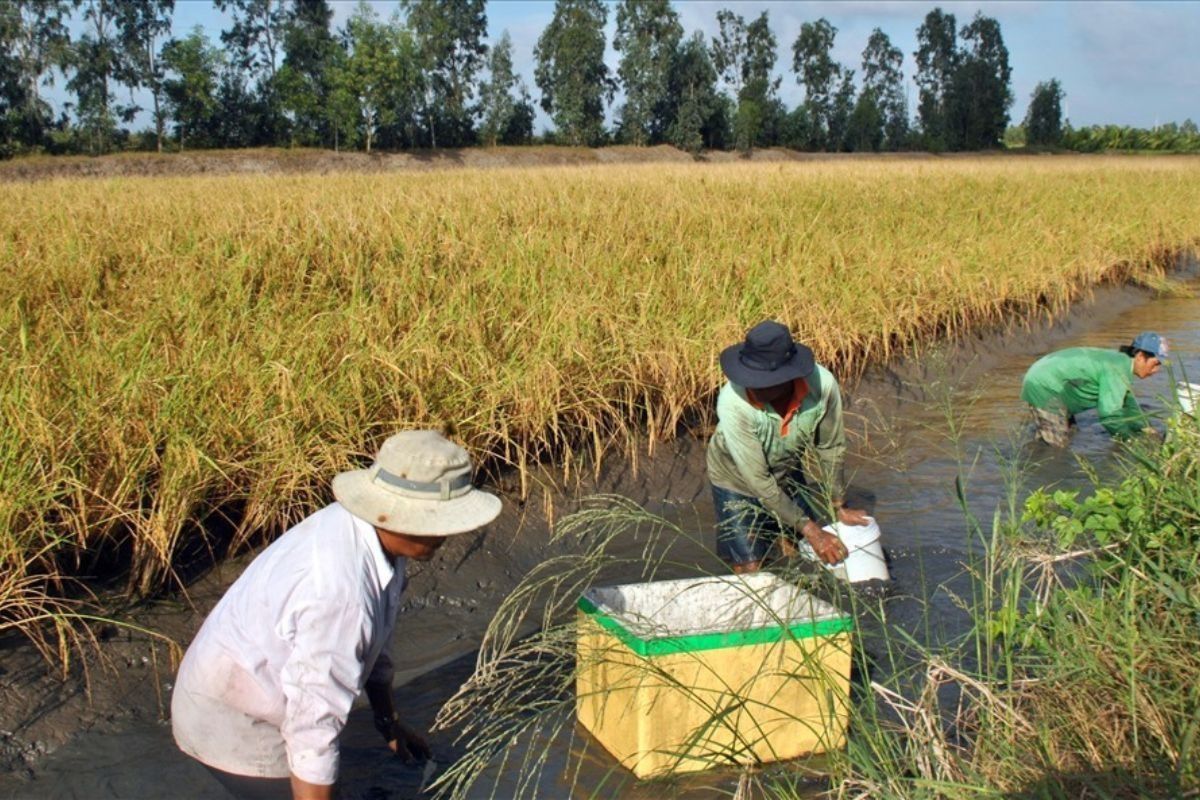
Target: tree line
{"type": "Point", "coordinates": [426, 78]}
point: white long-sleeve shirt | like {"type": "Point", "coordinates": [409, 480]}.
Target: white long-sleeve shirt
{"type": "Point", "coordinates": [267, 684]}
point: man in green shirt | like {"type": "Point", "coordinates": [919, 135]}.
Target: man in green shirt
{"type": "Point", "coordinates": [778, 404]}
{"type": "Point", "coordinates": [1060, 385]}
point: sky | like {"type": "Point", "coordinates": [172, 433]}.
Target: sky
{"type": "Point", "coordinates": [1119, 61]}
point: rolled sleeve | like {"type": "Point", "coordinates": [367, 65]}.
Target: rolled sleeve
{"type": "Point", "coordinates": [320, 681]}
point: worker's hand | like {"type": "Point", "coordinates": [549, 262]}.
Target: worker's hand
{"type": "Point", "coordinates": [852, 516]}
{"type": "Point", "coordinates": [406, 743]}
{"type": "Point", "coordinates": [828, 547]}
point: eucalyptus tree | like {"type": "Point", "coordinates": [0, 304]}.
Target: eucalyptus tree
{"type": "Point", "coordinates": [697, 110]}
{"type": "Point", "coordinates": [648, 35]}
{"type": "Point", "coordinates": [744, 55]}
{"type": "Point", "coordinates": [449, 36]}
{"type": "Point", "coordinates": [191, 68]}
{"type": "Point", "coordinates": [254, 45]}
{"type": "Point", "coordinates": [983, 84]}
{"type": "Point", "coordinates": [883, 81]}
{"type": "Point", "coordinates": [141, 24]}
{"type": "Point", "coordinates": [1043, 120]}
{"type": "Point", "coordinates": [379, 77]}
{"type": "Point", "coordinates": [93, 61]}
{"type": "Point", "coordinates": [819, 74]}
{"type": "Point", "coordinates": [304, 81]}
{"type": "Point", "coordinates": [33, 40]}
{"type": "Point", "coordinates": [507, 119]}
{"type": "Point", "coordinates": [937, 59]}
{"type": "Point", "coordinates": [571, 72]}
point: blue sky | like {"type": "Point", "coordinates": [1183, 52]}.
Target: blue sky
{"type": "Point", "coordinates": [1123, 62]}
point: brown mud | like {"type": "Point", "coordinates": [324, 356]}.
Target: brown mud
{"type": "Point", "coordinates": [102, 732]}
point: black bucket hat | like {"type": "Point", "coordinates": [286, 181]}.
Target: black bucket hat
{"type": "Point", "coordinates": [768, 357]}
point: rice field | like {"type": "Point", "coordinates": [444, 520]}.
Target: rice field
{"type": "Point", "coordinates": [181, 348]}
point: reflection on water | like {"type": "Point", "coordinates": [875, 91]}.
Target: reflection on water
{"type": "Point", "coordinates": [903, 468]}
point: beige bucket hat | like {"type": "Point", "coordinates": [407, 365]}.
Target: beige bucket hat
{"type": "Point", "coordinates": [420, 484]}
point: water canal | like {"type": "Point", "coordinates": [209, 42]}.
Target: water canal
{"type": "Point", "coordinates": [903, 466]}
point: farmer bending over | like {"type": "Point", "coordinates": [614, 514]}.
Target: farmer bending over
{"type": "Point", "coordinates": [1062, 384]}
{"type": "Point", "coordinates": [777, 404]}
{"type": "Point", "coordinates": [267, 684]}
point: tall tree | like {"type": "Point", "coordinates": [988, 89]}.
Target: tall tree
{"type": "Point", "coordinates": [841, 111]}
{"type": "Point", "coordinates": [696, 117]}
{"type": "Point", "coordinates": [571, 71]}
{"type": "Point", "coordinates": [503, 114]}
{"type": "Point", "coordinates": [34, 38]}
{"type": "Point", "coordinates": [379, 72]}
{"type": "Point", "coordinates": [883, 80]}
{"type": "Point", "coordinates": [450, 41]}
{"type": "Point", "coordinates": [937, 64]}
{"type": "Point", "coordinates": [819, 74]}
{"type": "Point", "coordinates": [745, 55]}
{"type": "Point", "coordinates": [305, 78]}
{"type": "Point", "coordinates": [94, 60]}
{"type": "Point", "coordinates": [140, 25]}
{"type": "Point", "coordinates": [255, 46]}
{"type": "Point", "coordinates": [983, 85]}
{"type": "Point", "coordinates": [648, 34]}
{"type": "Point", "coordinates": [1043, 120]}
{"type": "Point", "coordinates": [191, 66]}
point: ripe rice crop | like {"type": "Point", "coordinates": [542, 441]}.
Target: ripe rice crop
{"type": "Point", "coordinates": [176, 348]}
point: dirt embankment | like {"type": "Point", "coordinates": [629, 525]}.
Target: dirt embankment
{"type": "Point", "coordinates": [276, 161]}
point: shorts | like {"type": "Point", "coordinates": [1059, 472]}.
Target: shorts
{"type": "Point", "coordinates": [1053, 427]}
{"type": "Point", "coordinates": [745, 528]}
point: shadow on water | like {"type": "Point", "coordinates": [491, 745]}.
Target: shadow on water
{"type": "Point", "coordinates": [915, 427]}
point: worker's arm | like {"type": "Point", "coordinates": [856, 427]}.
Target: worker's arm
{"type": "Point", "coordinates": [403, 740]}
{"type": "Point", "coordinates": [1119, 411]}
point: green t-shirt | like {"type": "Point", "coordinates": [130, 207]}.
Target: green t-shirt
{"type": "Point", "coordinates": [1082, 378]}
{"type": "Point", "coordinates": [752, 451]}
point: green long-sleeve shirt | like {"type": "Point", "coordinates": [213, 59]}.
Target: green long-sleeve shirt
{"type": "Point", "coordinates": [1082, 378]}
{"type": "Point", "coordinates": [752, 451]}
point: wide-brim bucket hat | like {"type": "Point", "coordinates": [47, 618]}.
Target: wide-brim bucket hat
{"type": "Point", "coordinates": [768, 357]}
{"type": "Point", "coordinates": [420, 484]}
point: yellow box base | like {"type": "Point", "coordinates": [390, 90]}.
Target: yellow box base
{"type": "Point", "coordinates": [690, 711]}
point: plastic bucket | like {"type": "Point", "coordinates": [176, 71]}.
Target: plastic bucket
{"type": "Point", "coordinates": [1188, 395]}
{"type": "Point", "coordinates": [865, 561]}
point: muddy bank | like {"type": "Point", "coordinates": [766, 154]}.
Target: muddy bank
{"type": "Point", "coordinates": [277, 161]}
{"type": "Point", "coordinates": [55, 742]}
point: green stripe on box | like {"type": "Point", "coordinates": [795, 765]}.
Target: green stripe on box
{"type": "Point", "coordinates": [715, 641]}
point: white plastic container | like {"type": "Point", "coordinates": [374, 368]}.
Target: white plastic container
{"type": "Point", "coordinates": [865, 561]}
{"type": "Point", "coordinates": [1188, 395]}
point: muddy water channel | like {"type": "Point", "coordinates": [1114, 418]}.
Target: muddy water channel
{"type": "Point", "coordinates": [916, 427]}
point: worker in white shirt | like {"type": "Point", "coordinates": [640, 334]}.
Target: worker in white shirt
{"type": "Point", "coordinates": [267, 684]}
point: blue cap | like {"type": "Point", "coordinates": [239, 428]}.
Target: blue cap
{"type": "Point", "coordinates": [1153, 344]}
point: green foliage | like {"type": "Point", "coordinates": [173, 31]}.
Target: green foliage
{"type": "Point", "coordinates": [378, 78]}
{"type": "Point", "coordinates": [818, 73]}
{"type": "Point", "coordinates": [1043, 120]}
{"type": "Point", "coordinates": [571, 71]}
{"type": "Point", "coordinates": [744, 55]}
{"type": "Point", "coordinates": [305, 81]}
{"type": "Point", "coordinates": [506, 119]}
{"type": "Point", "coordinates": [1169, 138]}
{"type": "Point", "coordinates": [698, 112]}
{"type": "Point", "coordinates": [192, 66]}
{"type": "Point", "coordinates": [883, 78]}
{"type": "Point", "coordinates": [450, 51]}
{"type": "Point", "coordinates": [648, 36]}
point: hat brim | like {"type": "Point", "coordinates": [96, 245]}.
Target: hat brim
{"type": "Point", "coordinates": [362, 497]}
{"type": "Point", "coordinates": [800, 365]}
